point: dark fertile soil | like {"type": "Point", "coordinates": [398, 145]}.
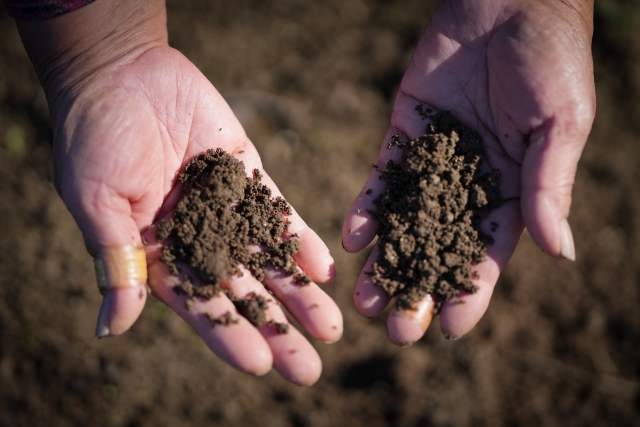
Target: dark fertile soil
{"type": "Point", "coordinates": [430, 213]}
{"type": "Point", "coordinates": [220, 212]}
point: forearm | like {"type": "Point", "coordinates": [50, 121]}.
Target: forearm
{"type": "Point", "coordinates": [67, 49]}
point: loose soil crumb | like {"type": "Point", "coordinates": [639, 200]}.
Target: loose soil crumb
{"type": "Point", "coordinates": [281, 328]}
{"type": "Point", "coordinates": [430, 213]}
{"type": "Point", "coordinates": [253, 309]}
{"type": "Point", "coordinates": [221, 211]}
{"type": "Point", "coordinates": [225, 320]}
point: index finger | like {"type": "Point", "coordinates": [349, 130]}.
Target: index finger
{"type": "Point", "coordinates": [360, 227]}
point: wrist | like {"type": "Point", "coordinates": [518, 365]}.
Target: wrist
{"type": "Point", "coordinates": [68, 50]}
{"type": "Point", "coordinates": [578, 13]}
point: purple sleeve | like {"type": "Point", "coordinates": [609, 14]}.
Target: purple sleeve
{"type": "Point", "coordinates": [41, 9]}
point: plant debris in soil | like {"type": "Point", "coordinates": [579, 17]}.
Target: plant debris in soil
{"type": "Point", "coordinates": [220, 213]}
{"type": "Point", "coordinates": [430, 213]}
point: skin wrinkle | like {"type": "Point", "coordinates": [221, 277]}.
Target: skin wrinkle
{"type": "Point", "coordinates": [560, 193]}
{"type": "Point", "coordinates": [177, 138]}
{"type": "Point", "coordinates": [533, 127]}
{"type": "Point", "coordinates": [472, 105]}
{"type": "Point", "coordinates": [489, 144]}
{"type": "Point", "coordinates": [515, 131]}
{"type": "Point", "coordinates": [543, 35]}
{"type": "Point", "coordinates": [75, 58]}
{"type": "Point", "coordinates": [194, 139]}
{"type": "Point", "coordinates": [97, 204]}
{"type": "Point", "coordinates": [92, 162]}
{"type": "Point", "coordinates": [588, 22]}
{"type": "Point", "coordinates": [163, 115]}
{"type": "Point", "coordinates": [85, 114]}
{"type": "Point", "coordinates": [176, 108]}
{"type": "Point", "coordinates": [455, 46]}
{"type": "Point", "coordinates": [476, 113]}
{"type": "Point", "coordinates": [163, 126]}
{"type": "Point", "coordinates": [168, 178]}
{"type": "Point", "coordinates": [76, 84]}
{"type": "Point", "coordinates": [395, 111]}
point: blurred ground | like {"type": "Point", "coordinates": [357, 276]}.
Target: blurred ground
{"type": "Point", "coordinates": [313, 83]}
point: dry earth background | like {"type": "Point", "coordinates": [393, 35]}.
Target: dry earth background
{"type": "Point", "coordinates": [313, 83]}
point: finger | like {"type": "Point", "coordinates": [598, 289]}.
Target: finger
{"type": "Point", "coordinates": [112, 238]}
{"type": "Point", "coordinates": [405, 326]}
{"type": "Point", "coordinates": [369, 298]}
{"type": "Point", "coordinates": [308, 304]}
{"type": "Point", "coordinates": [121, 273]}
{"type": "Point", "coordinates": [360, 226]}
{"type": "Point", "coordinates": [314, 257]}
{"type": "Point", "coordinates": [293, 356]}
{"type": "Point", "coordinates": [548, 172]}
{"type": "Point", "coordinates": [460, 314]}
{"type": "Point", "coordinates": [238, 343]}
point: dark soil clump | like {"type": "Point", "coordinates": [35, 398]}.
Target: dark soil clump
{"type": "Point", "coordinates": [253, 309]}
{"type": "Point", "coordinates": [281, 328]}
{"type": "Point", "coordinates": [221, 211]}
{"type": "Point", "coordinates": [430, 213]}
{"type": "Point", "coordinates": [225, 320]}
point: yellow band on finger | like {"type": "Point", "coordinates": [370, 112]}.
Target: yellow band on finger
{"type": "Point", "coordinates": [121, 267]}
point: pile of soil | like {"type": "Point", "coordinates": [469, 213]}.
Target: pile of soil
{"type": "Point", "coordinates": [220, 213]}
{"type": "Point", "coordinates": [430, 213]}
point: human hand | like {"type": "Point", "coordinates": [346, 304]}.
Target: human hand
{"type": "Point", "coordinates": [521, 73]}
{"type": "Point", "coordinates": [129, 113]}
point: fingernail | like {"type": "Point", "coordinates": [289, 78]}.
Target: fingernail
{"type": "Point", "coordinates": [334, 341]}
{"type": "Point", "coordinates": [263, 373]}
{"type": "Point", "coordinates": [567, 247]}
{"type": "Point", "coordinates": [104, 318]}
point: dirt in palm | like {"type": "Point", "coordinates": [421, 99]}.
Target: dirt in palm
{"type": "Point", "coordinates": [430, 213]}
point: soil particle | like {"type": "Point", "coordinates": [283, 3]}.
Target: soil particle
{"type": "Point", "coordinates": [224, 320]}
{"type": "Point", "coordinates": [187, 288]}
{"type": "Point", "coordinates": [221, 211]}
{"type": "Point", "coordinates": [430, 213]}
{"type": "Point", "coordinates": [281, 328]}
{"type": "Point", "coordinates": [301, 279]}
{"type": "Point", "coordinates": [253, 308]}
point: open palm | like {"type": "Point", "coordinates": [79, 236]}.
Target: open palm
{"type": "Point", "coordinates": [122, 135]}
{"type": "Point", "coordinates": [519, 72]}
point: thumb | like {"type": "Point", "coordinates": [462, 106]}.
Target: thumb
{"type": "Point", "coordinates": [548, 173]}
{"type": "Point", "coordinates": [112, 237]}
